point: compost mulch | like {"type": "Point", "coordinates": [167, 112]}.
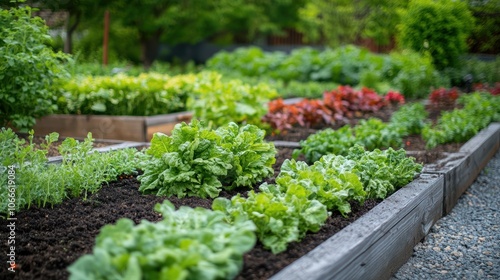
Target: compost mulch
{"type": "Point", "coordinates": [50, 239]}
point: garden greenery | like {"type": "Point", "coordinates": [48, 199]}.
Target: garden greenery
{"type": "Point", "coordinates": [188, 243]}
{"type": "Point", "coordinates": [81, 172]}
{"type": "Point", "coordinates": [438, 27]}
{"type": "Point", "coordinates": [28, 68]}
{"type": "Point", "coordinates": [198, 161]}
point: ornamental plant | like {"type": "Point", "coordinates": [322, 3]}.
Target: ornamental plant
{"type": "Point", "coordinates": [188, 243]}
{"type": "Point", "coordinates": [28, 68]}
{"type": "Point", "coordinates": [198, 161]}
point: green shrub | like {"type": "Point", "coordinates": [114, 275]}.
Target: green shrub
{"type": "Point", "coordinates": [438, 27]}
{"type": "Point", "coordinates": [28, 67]}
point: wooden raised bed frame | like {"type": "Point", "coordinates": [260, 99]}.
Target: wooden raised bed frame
{"type": "Point", "coordinates": [127, 128]}
{"type": "Point", "coordinates": [376, 245]}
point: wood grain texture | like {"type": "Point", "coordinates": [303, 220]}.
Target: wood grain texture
{"type": "Point", "coordinates": [462, 168]}
{"type": "Point", "coordinates": [377, 244]}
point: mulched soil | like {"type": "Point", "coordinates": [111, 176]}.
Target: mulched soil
{"type": "Point", "coordinates": [50, 239]}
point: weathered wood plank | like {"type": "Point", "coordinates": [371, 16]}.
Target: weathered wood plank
{"type": "Point", "coordinates": [123, 145]}
{"type": "Point", "coordinates": [377, 244]}
{"type": "Point", "coordinates": [102, 127]}
{"type": "Point", "coordinates": [462, 168]}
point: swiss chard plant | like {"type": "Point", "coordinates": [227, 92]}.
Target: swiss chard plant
{"type": "Point", "coordinates": [189, 243]}
{"type": "Point", "coordinates": [198, 161]}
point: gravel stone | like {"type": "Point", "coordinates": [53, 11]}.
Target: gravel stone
{"type": "Point", "coordinates": [465, 244]}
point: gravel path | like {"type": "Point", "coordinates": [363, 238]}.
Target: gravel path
{"type": "Point", "coordinates": [465, 244]}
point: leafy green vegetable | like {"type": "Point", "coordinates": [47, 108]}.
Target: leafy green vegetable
{"type": "Point", "coordinates": [82, 170]}
{"type": "Point", "coordinates": [198, 161]}
{"type": "Point", "coordinates": [253, 158]}
{"type": "Point", "coordinates": [219, 102]}
{"type": "Point", "coordinates": [332, 185]}
{"type": "Point", "coordinates": [381, 172]}
{"type": "Point", "coordinates": [187, 244]}
{"type": "Point", "coordinates": [459, 125]}
{"type": "Point", "coordinates": [280, 217]}
{"type": "Point", "coordinates": [189, 162]}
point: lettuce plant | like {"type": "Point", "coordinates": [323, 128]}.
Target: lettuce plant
{"type": "Point", "coordinates": [280, 217]}
{"type": "Point", "coordinates": [189, 243]}
{"type": "Point", "coordinates": [198, 161]}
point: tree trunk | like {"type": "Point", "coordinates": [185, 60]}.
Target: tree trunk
{"type": "Point", "coordinates": [150, 44]}
{"type": "Point", "coordinates": [70, 29]}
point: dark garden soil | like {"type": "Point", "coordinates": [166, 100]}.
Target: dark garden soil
{"type": "Point", "coordinates": [48, 239]}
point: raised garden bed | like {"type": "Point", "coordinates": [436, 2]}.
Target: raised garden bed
{"type": "Point", "coordinates": [126, 128]}
{"type": "Point", "coordinates": [51, 239]}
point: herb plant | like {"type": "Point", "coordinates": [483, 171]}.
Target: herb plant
{"type": "Point", "coordinates": [81, 172]}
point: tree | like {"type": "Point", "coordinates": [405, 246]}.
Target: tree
{"type": "Point", "coordinates": [342, 22]}
{"type": "Point", "coordinates": [438, 27]}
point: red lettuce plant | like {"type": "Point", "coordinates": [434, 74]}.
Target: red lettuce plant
{"type": "Point", "coordinates": [442, 97]}
{"type": "Point", "coordinates": [340, 103]}
{"type": "Point", "coordinates": [394, 97]}
{"type": "Point", "coordinates": [495, 90]}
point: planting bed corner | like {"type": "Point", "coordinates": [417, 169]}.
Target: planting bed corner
{"type": "Point", "coordinates": [378, 243]}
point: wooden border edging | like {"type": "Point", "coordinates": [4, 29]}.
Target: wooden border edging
{"type": "Point", "coordinates": [125, 128]}
{"type": "Point", "coordinates": [124, 145]}
{"type": "Point", "coordinates": [376, 245]}
{"type": "Point", "coordinates": [462, 168]}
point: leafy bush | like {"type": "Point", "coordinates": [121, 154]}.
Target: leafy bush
{"type": "Point", "coordinates": [28, 68]}
{"type": "Point", "coordinates": [80, 173]}
{"type": "Point", "coordinates": [196, 160]}
{"type": "Point", "coordinates": [187, 244]}
{"type": "Point", "coordinates": [438, 27]}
